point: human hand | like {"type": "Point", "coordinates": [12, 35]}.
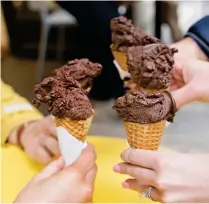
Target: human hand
{"type": "Point", "coordinates": [59, 184]}
{"type": "Point", "coordinates": [174, 178]}
{"type": "Point", "coordinates": [190, 81]}
{"type": "Point", "coordinates": [188, 48]}
{"type": "Point", "coordinates": [38, 139]}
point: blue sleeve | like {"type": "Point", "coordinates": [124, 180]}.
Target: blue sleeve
{"type": "Point", "coordinates": [199, 32]}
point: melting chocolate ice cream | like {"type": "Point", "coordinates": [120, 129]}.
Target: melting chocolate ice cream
{"type": "Point", "coordinates": [139, 107]}
{"type": "Point", "coordinates": [81, 70]}
{"type": "Point", "coordinates": [150, 66]}
{"type": "Point", "coordinates": [125, 34]}
{"type": "Point", "coordinates": [64, 98]}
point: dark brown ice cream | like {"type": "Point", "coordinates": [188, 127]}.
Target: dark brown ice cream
{"type": "Point", "coordinates": [125, 35]}
{"type": "Point", "coordinates": [139, 107]}
{"type": "Point", "coordinates": [81, 70]}
{"type": "Point", "coordinates": [64, 98]}
{"type": "Point", "coordinates": [150, 66]}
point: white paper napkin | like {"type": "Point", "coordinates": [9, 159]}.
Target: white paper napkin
{"type": "Point", "coordinates": [167, 124]}
{"type": "Point", "coordinates": [122, 73]}
{"type": "Point", "coordinates": [70, 147]}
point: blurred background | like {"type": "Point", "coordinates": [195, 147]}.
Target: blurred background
{"type": "Point", "coordinates": [39, 36]}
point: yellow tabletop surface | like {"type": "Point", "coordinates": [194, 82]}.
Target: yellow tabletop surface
{"type": "Point", "coordinates": [18, 169]}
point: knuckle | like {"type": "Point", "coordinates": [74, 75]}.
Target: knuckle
{"type": "Point", "coordinates": [162, 184]}
{"type": "Point", "coordinates": [75, 173]}
{"type": "Point", "coordinates": [159, 164]}
{"type": "Point", "coordinates": [88, 191]}
{"type": "Point", "coordinates": [135, 173]}
{"type": "Point", "coordinates": [92, 155]}
{"type": "Point", "coordinates": [130, 156]}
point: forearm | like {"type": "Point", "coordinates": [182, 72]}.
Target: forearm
{"type": "Point", "coordinates": [188, 48]}
{"type": "Point", "coordinates": [199, 32]}
{"type": "Point", "coordinates": [195, 44]}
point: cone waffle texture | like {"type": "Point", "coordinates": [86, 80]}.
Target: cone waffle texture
{"type": "Point", "coordinates": [77, 128]}
{"type": "Point", "coordinates": [121, 59]}
{"type": "Point", "coordinates": [144, 136]}
{"type": "Point", "coordinates": [154, 90]}
{"type": "Point", "coordinates": [148, 91]}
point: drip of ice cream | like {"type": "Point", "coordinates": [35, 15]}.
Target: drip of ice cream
{"type": "Point", "coordinates": [139, 107]}
{"type": "Point", "coordinates": [81, 70]}
{"type": "Point", "coordinates": [125, 35]}
{"type": "Point", "coordinates": [150, 66]}
{"type": "Point", "coordinates": [64, 98]}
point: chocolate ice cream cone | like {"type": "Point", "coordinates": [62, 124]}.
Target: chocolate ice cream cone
{"type": "Point", "coordinates": [144, 117]}
{"type": "Point", "coordinates": [77, 128]}
{"type": "Point", "coordinates": [69, 105]}
{"type": "Point", "coordinates": [144, 136]}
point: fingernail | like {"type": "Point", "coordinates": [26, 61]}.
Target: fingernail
{"type": "Point", "coordinates": [116, 168]}
{"type": "Point", "coordinates": [125, 185]}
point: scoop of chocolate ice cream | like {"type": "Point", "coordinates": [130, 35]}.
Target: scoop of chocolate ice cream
{"type": "Point", "coordinates": [81, 70]}
{"type": "Point", "coordinates": [63, 99]}
{"type": "Point", "coordinates": [139, 107]}
{"type": "Point", "coordinates": [150, 66]}
{"type": "Point", "coordinates": [125, 35]}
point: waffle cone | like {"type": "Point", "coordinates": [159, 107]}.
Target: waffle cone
{"type": "Point", "coordinates": [77, 128]}
{"type": "Point", "coordinates": [154, 90]}
{"type": "Point", "coordinates": [144, 136]}
{"type": "Point", "coordinates": [121, 59]}
{"type": "Point", "coordinates": [148, 91]}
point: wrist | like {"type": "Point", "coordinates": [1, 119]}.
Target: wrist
{"type": "Point", "coordinates": [200, 55]}
{"type": "Point", "coordinates": [189, 48]}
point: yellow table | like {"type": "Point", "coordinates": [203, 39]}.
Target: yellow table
{"type": "Point", "coordinates": [18, 169]}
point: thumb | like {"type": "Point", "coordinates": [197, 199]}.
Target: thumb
{"type": "Point", "coordinates": [50, 169]}
{"type": "Point", "coordinates": [183, 96]}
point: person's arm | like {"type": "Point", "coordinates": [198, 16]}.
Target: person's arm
{"type": "Point", "coordinates": [195, 44]}
{"type": "Point", "coordinates": [190, 81]}
{"type": "Point", "coordinates": [199, 32]}
{"type": "Point", "coordinates": [15, 111]}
